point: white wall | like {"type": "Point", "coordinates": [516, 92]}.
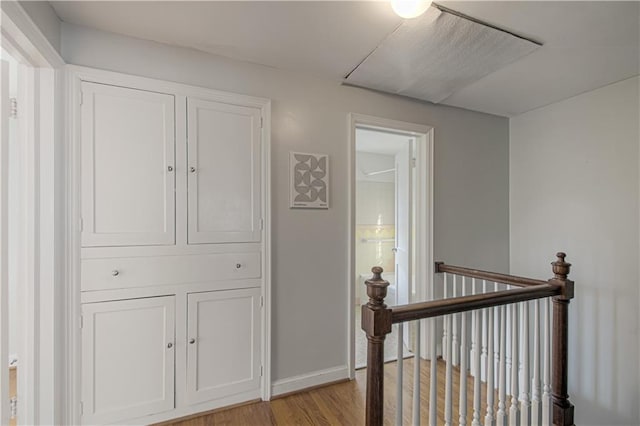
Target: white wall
{"type": "Point", "coordinates": [310, 115]}
{"type": "Point", "coordinates": [574, 187]}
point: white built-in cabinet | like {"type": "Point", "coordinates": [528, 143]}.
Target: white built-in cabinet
{"type": "Point", "coordinates": [172, 248]}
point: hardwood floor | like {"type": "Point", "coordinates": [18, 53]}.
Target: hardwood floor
{"type": "Point", "coordinates": [13, 388]}
{"type": "Point", "coordinates": [343, 403]}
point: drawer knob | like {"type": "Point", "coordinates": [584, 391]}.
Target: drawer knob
{"type": "Point", "coordinates": [192, 341]}
{"type": "Point", "coordinates": [115, 273]}
{"type": "Point", "coordinates": [169, 345]}
{"type": "Point", "coordinates": [238, 265]}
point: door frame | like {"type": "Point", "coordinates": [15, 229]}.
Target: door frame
{"type": "Point", "coordinates": [40, 396]}
{"type": "Point", "coordinates": [423, 271]}
{"type": "Point", "coordinates": [75, 75]}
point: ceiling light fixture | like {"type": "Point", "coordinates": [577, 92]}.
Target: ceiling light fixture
{"type": "Point", "coordinates": [410, 8]}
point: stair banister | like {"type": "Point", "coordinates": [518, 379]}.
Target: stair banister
{"type": "Point", "coordinates": [377, 320]}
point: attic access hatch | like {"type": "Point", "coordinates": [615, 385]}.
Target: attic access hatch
{"type": "Point", "coordinates": [436, 54]}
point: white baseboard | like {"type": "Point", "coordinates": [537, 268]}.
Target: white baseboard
{"type": "Point", "coordinates": [303, 381]}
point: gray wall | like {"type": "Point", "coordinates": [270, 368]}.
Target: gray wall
{"type": "Point", "coordinates": [310, 247]}
{"type": "Point", "coordinates": [574, 187]}
{"type": "Point", "coordinates": [43, 15]}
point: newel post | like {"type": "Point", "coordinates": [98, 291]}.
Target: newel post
{"type": "Point", "coordinates": [562, 408]}
{"type": "Point", "coordinates": [376, 323]}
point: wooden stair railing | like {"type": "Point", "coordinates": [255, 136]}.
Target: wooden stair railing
{"type": "Point", "coordinates": [377, 320]}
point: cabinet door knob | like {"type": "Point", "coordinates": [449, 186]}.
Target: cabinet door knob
{"type": "Point", "coordinates": [115, 273]}
{"type": "Point", "coordinates": [192, 169]}
{"type": "Point", "coordinates": [170, 168]}
{"type": "Point", "coordinates": [238, 266]}
{"type": "Point", "coordinates": [192, 341]}
{"type": "Point", "coordinates": [169, 345]}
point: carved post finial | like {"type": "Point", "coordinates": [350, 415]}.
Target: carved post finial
{"type": "Point", "coordinates": [561, 268]}
{"type": "Point", "coordinates": [376, 288]}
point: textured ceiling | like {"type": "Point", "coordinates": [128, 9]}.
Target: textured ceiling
{"type": "Point", "coordinates": [437, 54]}
{"type": "Point", "coordinates": [586, 44]}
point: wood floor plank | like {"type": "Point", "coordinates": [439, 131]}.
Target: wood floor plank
{"type": "Point", "coordinates": [344, 403]}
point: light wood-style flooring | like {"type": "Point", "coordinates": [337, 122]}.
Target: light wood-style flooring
{"type": "Point", "coordinates": [343, 403]}
{"type": "Point", "coordinates": [13, 388]}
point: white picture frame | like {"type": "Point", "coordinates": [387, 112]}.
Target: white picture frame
{"type": "Point", "coordinates": [308, 180]}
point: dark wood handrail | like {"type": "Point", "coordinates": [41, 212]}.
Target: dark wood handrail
{"type": "Point", "coordinates": [454, 305]}
{"type": "Point", "coordinates": [491, 276]}
{"type": "Point", "coordinates": [377, 319]}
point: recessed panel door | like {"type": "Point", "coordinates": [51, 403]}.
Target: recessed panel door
{"type": "Point", "coordinates": [128, 354]}
{"type": "Point", "coordinates": [223, 346]}
{"type": "Point", "coordinates": [224, 170]}
{"type": "Point", "coordinates": [128, 170]}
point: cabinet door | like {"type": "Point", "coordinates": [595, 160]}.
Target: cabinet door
{"type": "Point", "coordinates": [224, 172]}
{"type": "Point", "coordinates": [128, 177]}
{"type": "Point", "coordinates": [223, 355]}
{"type": "Point", "coordinates": [127, 359]}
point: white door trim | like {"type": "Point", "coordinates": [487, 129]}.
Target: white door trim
{"type": "Point", "coordinates": [77, 74]}
{"type": "Point", "coordinates": [424, 213]}
{"type": "Point", "coordinates": [40, 395]}
{"type": "Point", "coordinates": [4, 247]}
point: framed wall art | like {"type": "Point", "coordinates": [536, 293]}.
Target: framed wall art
{"type": "Point", "coordinates": [309, 180]}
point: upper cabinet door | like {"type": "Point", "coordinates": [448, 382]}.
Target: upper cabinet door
{"type": "Point", "coordinates": [223, 172]}
{"type": "Point", "coordinates": [128, 166]}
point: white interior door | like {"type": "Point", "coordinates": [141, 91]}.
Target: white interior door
{"type": "Point", "coordinates": [404, 160]}
{"type": "Point", "coordinates": [223, 355]}
{"type": "Point", "coordinates": [128, 169]}
{"type": "Point", "coordinates": [4, 250]}
{"type": "Point", "coordinates": [128, 354]}
{"type": "Point", "coordinates": [224, 172]}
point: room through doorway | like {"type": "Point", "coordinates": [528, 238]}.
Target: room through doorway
{"type": "Point", "coordinates": [384, 212]}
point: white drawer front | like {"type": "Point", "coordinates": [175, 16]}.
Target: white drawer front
{"type": "Point", "coordinates": [116, 273]}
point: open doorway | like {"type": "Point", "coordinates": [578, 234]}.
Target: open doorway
{"type": "Point", "coordinates": [391, 193]}
{"type": "Point", "coordinates": [384, 203]}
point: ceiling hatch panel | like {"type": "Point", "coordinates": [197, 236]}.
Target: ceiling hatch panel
{"type": "Point", "coordinates": [433, 56]}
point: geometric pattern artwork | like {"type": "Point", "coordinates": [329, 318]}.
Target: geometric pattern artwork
{"type": "Point", "coordinates": [309, 180]}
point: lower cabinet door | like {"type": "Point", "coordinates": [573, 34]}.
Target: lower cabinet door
{"type": "Point", "coordinates": [128, 354]}
{"type": "Point", "coordinates": [223, 344]}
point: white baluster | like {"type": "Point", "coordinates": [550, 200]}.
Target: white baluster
{"type": "Point", "coordinates": [513, 408]}
{"type": "Point", "coordinates": [416, 378]}
{"type": "Point", "coordinates": [448, 384]}
{"type": "Point", "coordinates": [400, 380]}
{"type": "Point", "coordinates": [546, 373]}
{"type": "Point", "coordinates": [535, 397]}
{"type": "Point", "coordinates": [477, 395]}
{"type": "Point", "coordinates": [454, 328]}
{"type": "Point", "coordinates": [462, 406]}
{"type": "Point", "coordinates": [475, 346]}
{"type": "Point", "coordinates": [485, 325]}
{"type": "Point", "coordinates": [525, 399]}
{"type": "Point", "coordinates": [433, 377]}
{"type": "Point", "coordinates": [445, 354]}
{"type": "Point", "coordinates": [501, 416]}
{"type": "Point", "coordinates": [489, 418]}
{"type": "Point", "coordinates": [496, 339]}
